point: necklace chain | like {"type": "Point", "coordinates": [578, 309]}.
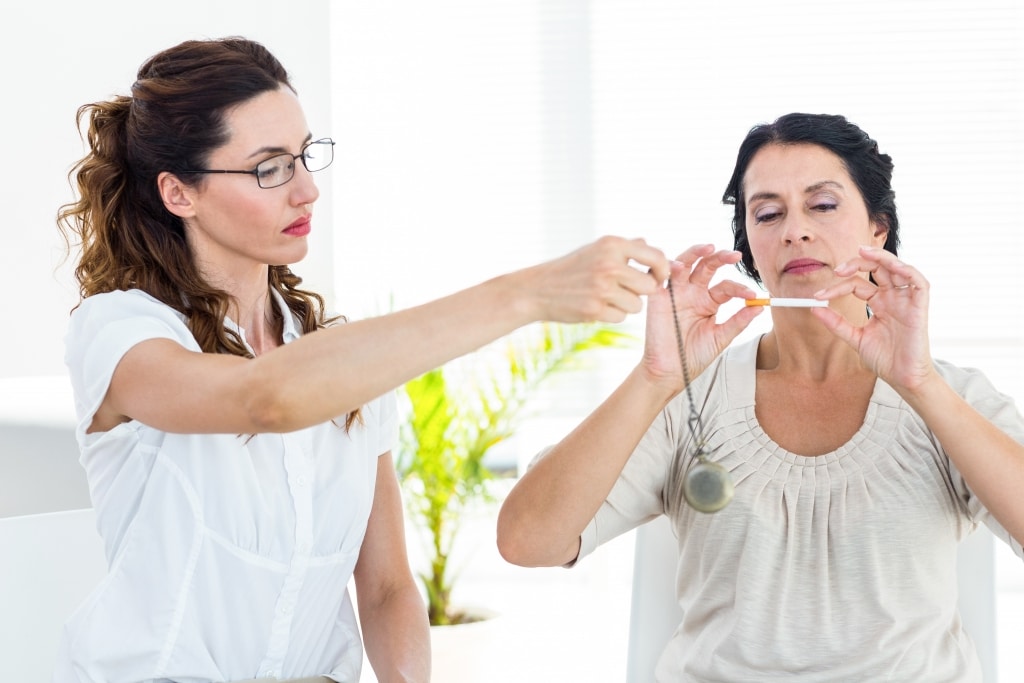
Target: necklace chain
{"type": "Point", "coordinates": [694, 421]}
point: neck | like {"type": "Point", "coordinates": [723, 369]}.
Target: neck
{"type": "Point", "coordinates": [799, 345]}
{"type": "Point", "coordinates": [260, 322]}
{"type": "Point", "coordinates": [251, 307]}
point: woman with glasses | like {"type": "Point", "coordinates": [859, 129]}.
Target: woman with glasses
{"type": "Point", "coordinates": [235, 436]}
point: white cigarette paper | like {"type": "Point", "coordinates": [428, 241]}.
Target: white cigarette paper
{"type": "Point", "coordinates": [779, 302]}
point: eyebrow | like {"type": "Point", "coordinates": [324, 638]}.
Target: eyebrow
{"type": "Point", "coordinates": [277, 150]}
{"type": "Point", "coordinates": [810, 189]}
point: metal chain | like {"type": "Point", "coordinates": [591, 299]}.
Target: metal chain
{"type": "Point", "coordinates": [694, 421]}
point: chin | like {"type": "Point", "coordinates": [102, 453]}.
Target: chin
{"type": "Point", "coordinates": [293, 256]}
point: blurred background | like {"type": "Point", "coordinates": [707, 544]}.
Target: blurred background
{"type": "Point", "coordinates": [477, 136]}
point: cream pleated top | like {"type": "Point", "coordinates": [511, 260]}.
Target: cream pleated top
{"type": "Point", "coordinates": [840, 567]}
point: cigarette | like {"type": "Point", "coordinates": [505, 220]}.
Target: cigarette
{"type": "Point", "coordinates": [788, 303]}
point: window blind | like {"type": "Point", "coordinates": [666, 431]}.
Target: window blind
{"type": "Point", "coordinates": [676, 86]}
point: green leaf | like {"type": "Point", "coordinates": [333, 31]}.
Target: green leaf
{"type": "Point", "coordinates": [452, 419]}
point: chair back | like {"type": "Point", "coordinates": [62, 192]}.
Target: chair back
{"type": "Point", "coordinates": [49, 563]}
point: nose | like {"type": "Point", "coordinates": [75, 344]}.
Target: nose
{"type": "Point", "coordinates": [796, 228]}
{"type": "Point", "coordinates": [303, 187]}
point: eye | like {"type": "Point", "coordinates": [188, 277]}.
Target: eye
{"type": "Point", "coordinates": [822, 202]}
{"type": "Point", "coordinates": [274, 167]}
{"type": "Point", "coordinates": [268, 171]}
{"type": "Point", "coordinates": [766, 215]}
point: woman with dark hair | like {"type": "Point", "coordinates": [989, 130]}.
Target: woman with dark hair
{"type": "Point", "coordinates": [236, 437]}
{"type": "Point", "coordinates": [868, 168]}
{"type": "Point", "coordinates": [854, 461]}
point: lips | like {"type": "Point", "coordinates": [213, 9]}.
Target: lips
{"type": "Point", "coordinates": [801, 266]}
{"type": "Point", "coordinates": [299, 227]}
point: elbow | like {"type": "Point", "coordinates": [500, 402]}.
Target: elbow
{"type": "Point", "coordinates": [266, 413]}
{"type": "Point", "coordinates": [521, 545]}
{"type": "Point", "coordinates": [511, 545]}
{"type": "Point", "coordinates": [265, 404]}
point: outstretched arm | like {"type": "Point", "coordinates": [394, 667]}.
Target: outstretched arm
{"type": "Point", "coordinates": [334, 371]}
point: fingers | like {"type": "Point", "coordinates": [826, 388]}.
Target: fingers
{"type": "Point", "coordinates": [651, 260]}
{"type": "Point", "coordinates": [737, 322]}
{"type": "Point", "coordinates": [637, 269]}
{"type": "Point", "coordinates": [726, 290]}
{"type": "Point", "coordinates": [837, 324]}
{"type": "Point", "coordinates": [702, 262]}
{"type": "Point", "coordinates": [605, 281]}
{"type": "Point", "coordinates": [646, 268]}
{"type": "Point", "coordinates": [886, 269]}
{"type": "Point", "coordinates": [627, 296]}
{"type": "Point", "coordinates": [699, 263]}
{"type": "Point", "coordinates": [859, 287]}
{"type": "Point", "coordinates": [698, 251]}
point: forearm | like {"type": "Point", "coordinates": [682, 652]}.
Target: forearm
{"type": "Point", "coordinates": [541, 520]}
{"type": "Point", "coordinates": [336, 370]}
{"type": "Point", "coordinates": [330, 374]}
{"type": "Point", "coordinates": [396, 636]}
{"type": "Point", "coordinates": [990, 461]}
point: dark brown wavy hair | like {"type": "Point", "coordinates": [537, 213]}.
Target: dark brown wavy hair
{"type": "Point", "coordinates": [172, 121]}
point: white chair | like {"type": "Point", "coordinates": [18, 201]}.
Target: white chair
{"type": "Point", "coordinates": [39, 468]}
{"type": "Point", "coordinates": [654, 612]}
{"type": "Point", "coordinates": [49, 562]}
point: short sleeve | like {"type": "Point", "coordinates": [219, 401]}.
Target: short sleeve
{"type": "Point", "coordinates": [102, 329]}
{"type": "Point", "coordinates": [1002, 411]}
{"type": "Point", "coordinates": [636, 497]}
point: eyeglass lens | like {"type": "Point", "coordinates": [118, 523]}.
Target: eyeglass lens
{"type": "Point", "coordinates": [278, 170]}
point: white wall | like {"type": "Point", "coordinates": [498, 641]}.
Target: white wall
{"type": "Point", "coordinates": [61, 54]}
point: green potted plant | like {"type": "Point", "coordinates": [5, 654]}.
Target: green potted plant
{"type": "Point", "coordinates": [454, 416]}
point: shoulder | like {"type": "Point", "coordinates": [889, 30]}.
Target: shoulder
{"type": "Point", "coordinates": [103, 328]}
{"type": "Point", "coordinates": [742, 352]}
{"type": "Point", "coordinates": [113, 321]}
{"type": "Point", "coordinates": [733, 369]}
{"type": "Point", "coordinates": [975, 387]}
{"type": "Point", "coordinates": [969, 382]}
{"type": "Point", "coordinates": [122, 304]}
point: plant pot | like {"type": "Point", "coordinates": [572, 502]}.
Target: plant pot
{"type": "Point", "coordinates": [466, 653]}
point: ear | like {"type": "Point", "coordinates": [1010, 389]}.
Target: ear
{"type": "Point", "coordinates": [881, 233]}
{"type": "Point", "coordinates": [176, 195]}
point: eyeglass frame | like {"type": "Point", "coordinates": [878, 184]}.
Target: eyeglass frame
{"type": "Point", "coordinates": [256, 171]}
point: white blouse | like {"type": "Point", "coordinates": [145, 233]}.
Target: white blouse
{"type": "Point", "coordinates": [230, 554]}
{"type": "Point", "coordinates": [840, 567]}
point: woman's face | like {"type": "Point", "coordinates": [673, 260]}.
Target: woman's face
{"type": "Point", "coordinates": [237, 226]}
{"type": "Point", "coordinates": [804, 216]}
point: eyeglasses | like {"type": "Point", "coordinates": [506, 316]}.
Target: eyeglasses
{"type": "Point", "coordinates": [279, 169]}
